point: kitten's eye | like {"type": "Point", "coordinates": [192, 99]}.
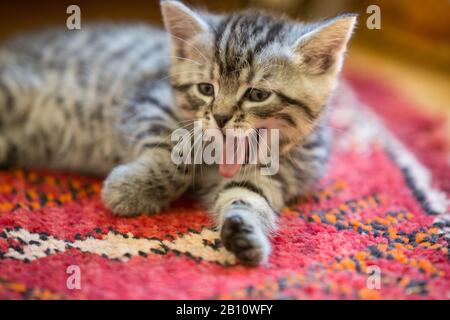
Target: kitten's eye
{"type": "Point", "coordinates": [257, 95]}
{"type": "Point", "coordinates": [206, 89]}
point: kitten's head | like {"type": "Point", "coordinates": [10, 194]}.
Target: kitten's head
{"type": "Point", "coordinates": [254, 70]}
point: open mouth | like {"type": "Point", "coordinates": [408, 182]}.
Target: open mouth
{"type": "Point", "coordinates": [234, 155]}
{"type": "Point", "coordinates": [230, 150]}
{"type": "Point", "coordinates": [238, 149]}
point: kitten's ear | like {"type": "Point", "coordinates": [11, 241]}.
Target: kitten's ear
{"type": "Point", "coordinates": [323, 48]}
{"type": "Point", "coordinates": [181, 22]}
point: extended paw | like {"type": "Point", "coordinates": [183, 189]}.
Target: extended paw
{"type": "Point", "coordinates": [129, 190]}
{"type": "Point", "coordinates": [245, 239]}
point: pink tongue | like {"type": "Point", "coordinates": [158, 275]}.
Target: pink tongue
{"type": "Point", "coordinates": [230, 170]}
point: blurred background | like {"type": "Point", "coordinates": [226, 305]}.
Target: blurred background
{"type": "Point", "coordinates": [411, 50]}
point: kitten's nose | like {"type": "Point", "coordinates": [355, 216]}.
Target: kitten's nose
{"type": "Point", "coordinates": [222, 119]}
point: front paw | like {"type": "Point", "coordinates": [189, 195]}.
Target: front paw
{"type": "Point", "coordinates": [129, 190]}
{"type": "Point", "coordinates": [245, 239]}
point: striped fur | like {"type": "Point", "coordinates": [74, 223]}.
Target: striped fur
{"type": "Point", "coordinates": [104, 100]}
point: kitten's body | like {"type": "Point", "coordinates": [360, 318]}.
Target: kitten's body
{"type": "Point", "coordinates": [102, 97]}
{"type": "Point", "coordinates": [63, 93]}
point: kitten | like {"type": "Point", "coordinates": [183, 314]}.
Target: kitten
{"type": "Point", "coordinates": [104, 100]}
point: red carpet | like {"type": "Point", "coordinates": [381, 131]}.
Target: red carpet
{"type": "Point", "coordinates": [379, 211]}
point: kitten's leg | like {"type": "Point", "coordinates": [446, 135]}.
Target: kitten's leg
{"type": "Point", "coordinates": [150, 180]}
{"type": "Point", "coordinates": [18, 87]}
{"type": "Point", "coordinates": [247, 206]}
{"type": "Point", "coordinates": [145, 185]}
{"type": "Point", "coordinates": [4, 152]}
{"type": "Point", "coordinates": [7, 152]}
{"type": "Point", "coordinates": [246, 212]}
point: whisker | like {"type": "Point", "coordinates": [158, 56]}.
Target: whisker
{"type": "Point", "coordinates": [178, 73]}
{"type": "Point", "coordinates": [189, 44]}
{"type": "Point", "coordinates": [186, 59]}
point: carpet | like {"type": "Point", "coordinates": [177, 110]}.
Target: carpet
{"type": "Point", "coordinates": [375, 227]}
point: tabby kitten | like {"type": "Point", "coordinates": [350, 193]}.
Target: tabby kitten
{"type": "Point", "coordinates": [105, 99]}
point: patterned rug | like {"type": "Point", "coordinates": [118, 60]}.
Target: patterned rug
{"type": "Point", "coordinates": [377, 227]}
